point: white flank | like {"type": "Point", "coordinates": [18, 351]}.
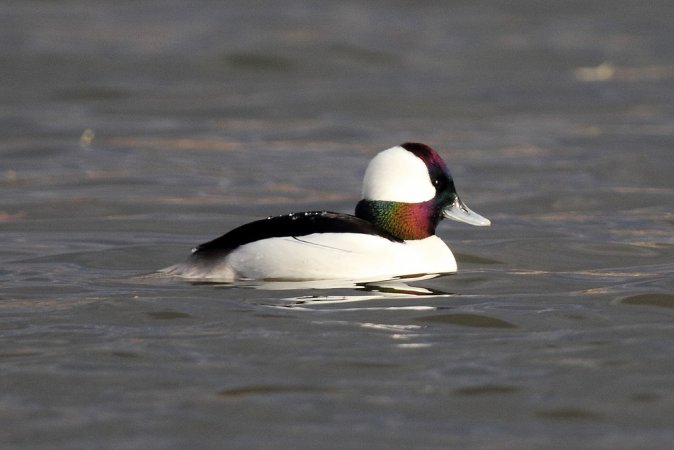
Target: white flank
{"type": "Point", "coordinates": [346, 256]}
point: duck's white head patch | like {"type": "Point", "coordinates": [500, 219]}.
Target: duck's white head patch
{"type": "Point", "coordinates": [397, 175]}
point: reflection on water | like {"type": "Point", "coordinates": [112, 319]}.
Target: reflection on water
{"type": "Point", "coordinates": [395, 287]}
{"type": "Point", "coordinates": [358, 291]}
{"type": "Point", "coordinates": [467, 320]}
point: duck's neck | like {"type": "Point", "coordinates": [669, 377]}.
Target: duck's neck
{"type": "Point", "coordinates": [404, 220]}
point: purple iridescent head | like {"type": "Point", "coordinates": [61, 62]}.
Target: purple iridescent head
{"type": "Point", "coordinates": [410, 187]}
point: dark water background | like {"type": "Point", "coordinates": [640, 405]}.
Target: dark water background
{"type": "Point", "coordinates": [131, 131]}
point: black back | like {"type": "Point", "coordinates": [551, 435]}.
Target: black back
{"type": "Point", "coordinates": [289, 225]}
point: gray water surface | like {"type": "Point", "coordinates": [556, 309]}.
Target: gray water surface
{"type": "Point", "coordinates": [131, 133]}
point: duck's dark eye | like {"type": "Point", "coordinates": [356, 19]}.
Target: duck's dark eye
{"type": "Point", "coordinates": [440, 183]}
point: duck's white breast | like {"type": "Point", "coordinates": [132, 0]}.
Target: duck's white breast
{"type": "Point", "coordinates": [349, 256]}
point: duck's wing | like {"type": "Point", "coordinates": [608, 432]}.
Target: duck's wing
{"type": "Point", "coordinates": [289, 225]}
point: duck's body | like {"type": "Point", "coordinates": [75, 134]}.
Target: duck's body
{"type": "Point", "coordinates": [315, 245]}
{"type": "Point", "coordinates": [407, 190]}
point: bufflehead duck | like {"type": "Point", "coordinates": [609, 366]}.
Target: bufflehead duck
{"type": "Point", "coordinates": [407, 190]}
